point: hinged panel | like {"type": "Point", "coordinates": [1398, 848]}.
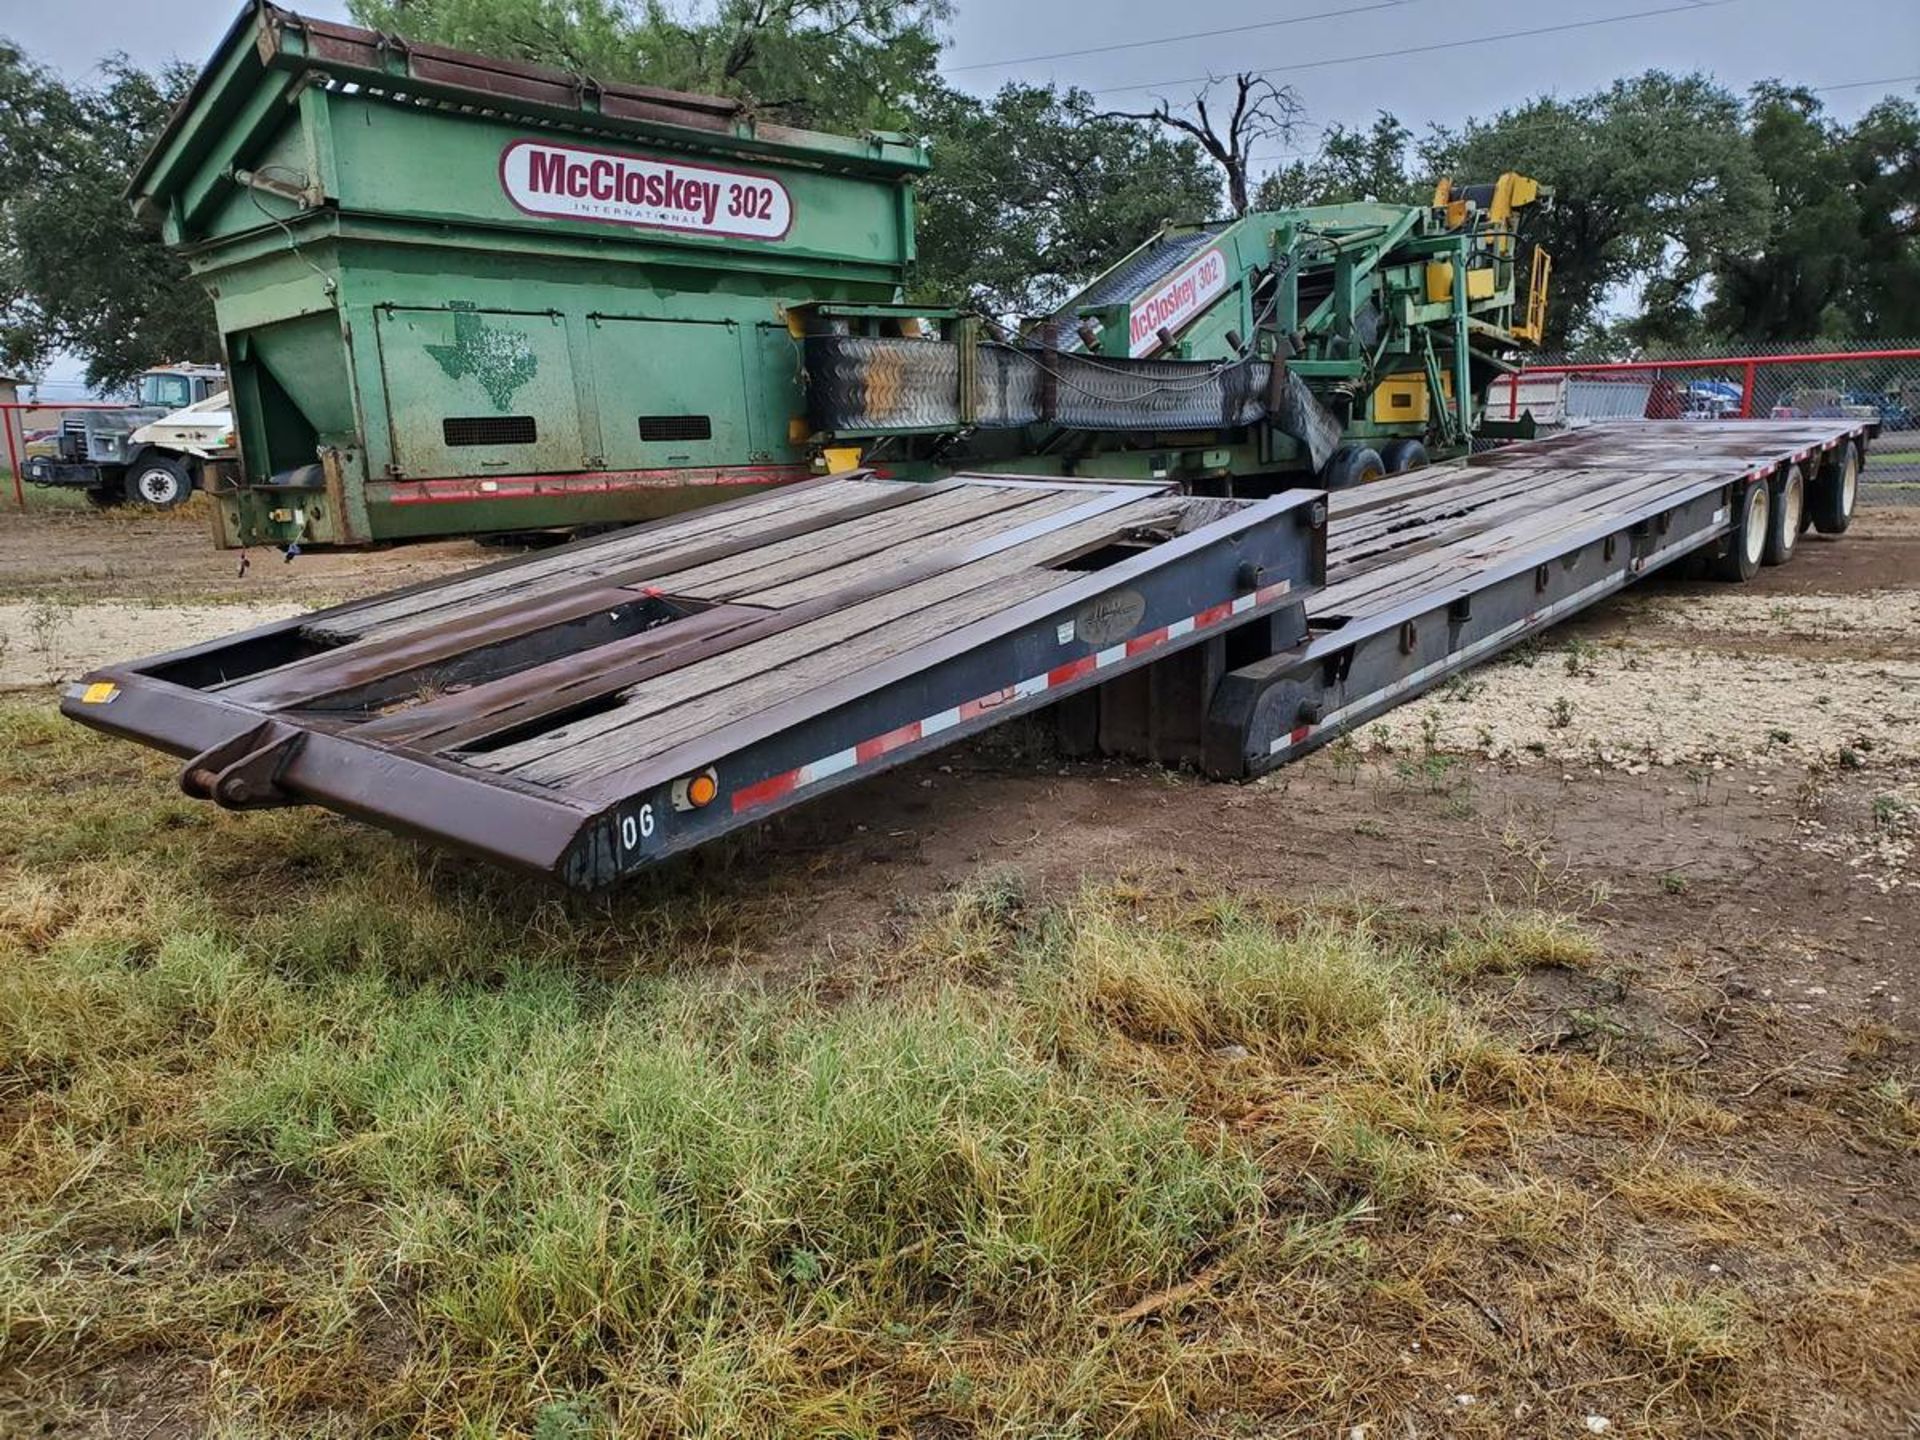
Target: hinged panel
{"type": "Point", "coordinates": [475, 392]}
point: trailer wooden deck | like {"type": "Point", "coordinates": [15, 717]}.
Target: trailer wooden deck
{"type": "Point", "coordinates": [553, 711]}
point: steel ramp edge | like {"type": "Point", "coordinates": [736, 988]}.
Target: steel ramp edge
{"type": "Point", "coordinates": [1246, 568]}
{"type": "Point", "coordinates": [1356, 668]}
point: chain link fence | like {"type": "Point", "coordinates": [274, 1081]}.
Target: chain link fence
{"type": "Point", "coordinates": [1879, 381]}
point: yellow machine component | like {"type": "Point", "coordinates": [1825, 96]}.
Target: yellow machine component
{"type": "Point", "coordinates": [838, 458]}
{"type": "Point", "coordinates": [1398, 398]}
{"type": "Point", "coordinates": [1480, 282]}
{"type": "Point", "coordinates": [1534, 328]}
{"type": "Point", "coordinates": [1405, 399]}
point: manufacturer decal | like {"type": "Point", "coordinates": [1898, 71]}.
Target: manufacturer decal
{"type": "Point", "coordinates": [1171, 305]}
{"type": "Point", "coordinates": [567, 182]}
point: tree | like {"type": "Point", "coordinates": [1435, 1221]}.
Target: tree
{"type": "Point", "coordinates": [1351, 164]}
{"type": "Point", "coordinates": [1841, 254]}
{"type": "Point", "coordinates": [1031, 191]}
{"type": "Point", "coordinates": [1034, 192]}
{"type": "Point", "coordinates": [1654, 179]}
{"type": "Point", "coordinates": [823, 64]}
{"type": "Point", "coordinates": [1258, 110]}
{"type": "Point", "coordinates": [77, 272]}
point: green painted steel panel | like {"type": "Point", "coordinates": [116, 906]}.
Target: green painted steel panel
{"type": "Point", "coordinates": [664, 382]}
{"type": "Point", "coordinates": [472, 392]}
{"type": "Point", "coordinates": [404, 162]}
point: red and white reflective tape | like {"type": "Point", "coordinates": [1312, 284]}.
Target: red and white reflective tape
{"type": "Point", "coordinates": [772, 788]}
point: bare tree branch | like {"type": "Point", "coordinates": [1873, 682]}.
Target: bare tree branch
{"type": "Point", "coordinates": [1261, 111]}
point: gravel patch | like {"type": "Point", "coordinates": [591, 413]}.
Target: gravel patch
{"type": "Point", "coordinates": [48, 643]}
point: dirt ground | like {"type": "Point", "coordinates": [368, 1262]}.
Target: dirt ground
{"type": "Point", "coordinates": [1724, 784]}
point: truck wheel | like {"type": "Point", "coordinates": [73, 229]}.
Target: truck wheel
{"type": "Point", "coordinates": [1784, 520]}
{"type": "Point", "coordinates": [1352, 465]}
{"type": "Point", "coordinates": [105, 497]}
{"type": "Point", "coordinates": [1400, 456]}
{"type": "Point", "coordinates": [1747, 541]}
{"type": "Point", "coordinates": [160, 481]}
{"type": "Point", "coordinates": [1836, 491]}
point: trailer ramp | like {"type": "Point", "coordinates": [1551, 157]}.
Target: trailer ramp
{"type": "Point", "coordinates": [593, 709]}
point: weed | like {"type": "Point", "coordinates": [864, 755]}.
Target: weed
{"type": "Point", "coordinates": [47, 621]}
{"type": "Point", "coordinates": [1681, 1328]}
{"type": "Point", "coordinates": [1345, 754]}
{"type": "Point", "coordinates": [1580, 655]}
{"type": "Point", "coordinates": [1891, 813]}
{"type": "Point", "coordinates": [1433, 770]}
{"type": "Point", "coordinates": [1560, 714]}
{"type": "Point", "coordinates": [1675, 883]}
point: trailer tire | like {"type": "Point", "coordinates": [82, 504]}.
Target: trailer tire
{"type": "Point", "coordinates": [1836, 492]}
{"type": "Point", "coordinates": [160, 481]}
{"type": "Point", "coordinates": [1352, 465]}
{"type": "Point", "coordinates": [1787, 517]}
{"type": "Point", "coordinates": [1747, 540]}
{"type": "Point", "coordinates": [1400, 456]}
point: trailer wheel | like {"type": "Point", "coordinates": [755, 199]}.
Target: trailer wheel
{"type": "Point", "coordinates": [1787, 517]}
{"type": "Point", "coordinates": [1836, 492]}
{"type": "Point", "coordinates": [1352, 465]}
{"type": "Point", "coordinates": [1747, 541]}
{"type": "Point", "coordinates": [160, 481]}
{"type": "Point", "coordinates": [1400, 456]}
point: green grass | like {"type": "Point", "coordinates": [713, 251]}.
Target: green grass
{"type": "Point", "coordinates": [368, 1142]}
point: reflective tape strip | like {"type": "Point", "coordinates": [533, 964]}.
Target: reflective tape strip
{"type": "Point", "coordinates": [776, 787]}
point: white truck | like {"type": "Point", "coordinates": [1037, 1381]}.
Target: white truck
{"type": "Point", "coordinates": [156, 451]}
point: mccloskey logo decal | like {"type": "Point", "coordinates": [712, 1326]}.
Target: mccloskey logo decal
{"type": "Point", "coordinates": [566, 182]}
{"type": "Point", "coordinates": [1173, 304]}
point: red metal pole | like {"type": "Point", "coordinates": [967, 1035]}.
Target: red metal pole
{"type": "Point", "coordinates": [1746, 390]}
{"type": "Point", "coordinates": [10, 417]}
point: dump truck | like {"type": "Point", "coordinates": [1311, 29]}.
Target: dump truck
{"type": "Point", "coordinates": [460, 294]}
{"type": "Point", "coordinates": [1164, 517]}
{"type": "Point", "coordinates": [141, 452]}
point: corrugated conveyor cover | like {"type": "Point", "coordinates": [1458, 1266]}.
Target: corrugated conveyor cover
{"type": "Point", "coordinates": [1136, 275]}
{"type": "Point", "coordinates": [866, 385]}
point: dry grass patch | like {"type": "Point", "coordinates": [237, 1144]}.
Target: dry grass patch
{"type": "Point", "coordinates": [372, 1143]}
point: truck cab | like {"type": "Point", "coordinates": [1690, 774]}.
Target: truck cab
{"type": "Point", "coordinates": [121, 453]}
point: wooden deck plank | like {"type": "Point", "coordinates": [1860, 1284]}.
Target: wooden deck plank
{"type": "Point", "coordinates": [589, 559]}
{"type": "Point", "coordinates": [810, 672]}
{"type": "Point", "coordinates": [825, 582]}
{"type": "Point", "coordinates": [582, 744]}
{"type": "Point", "coordinates": [834, 545]}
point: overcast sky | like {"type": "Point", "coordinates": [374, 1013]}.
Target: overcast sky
{"type": "Point", "coordinates": [1476, 55]}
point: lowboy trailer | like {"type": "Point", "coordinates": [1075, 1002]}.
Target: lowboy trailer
{"type": "Point", "coordinates": [589, 711]}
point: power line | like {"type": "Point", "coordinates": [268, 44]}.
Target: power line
{"type": "Point", "coordinates": [1862, 84]}
{"type": "Point", "coordinates": [1431, 49]}
{"type": "Point", "coordinates": [1190, 35]}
